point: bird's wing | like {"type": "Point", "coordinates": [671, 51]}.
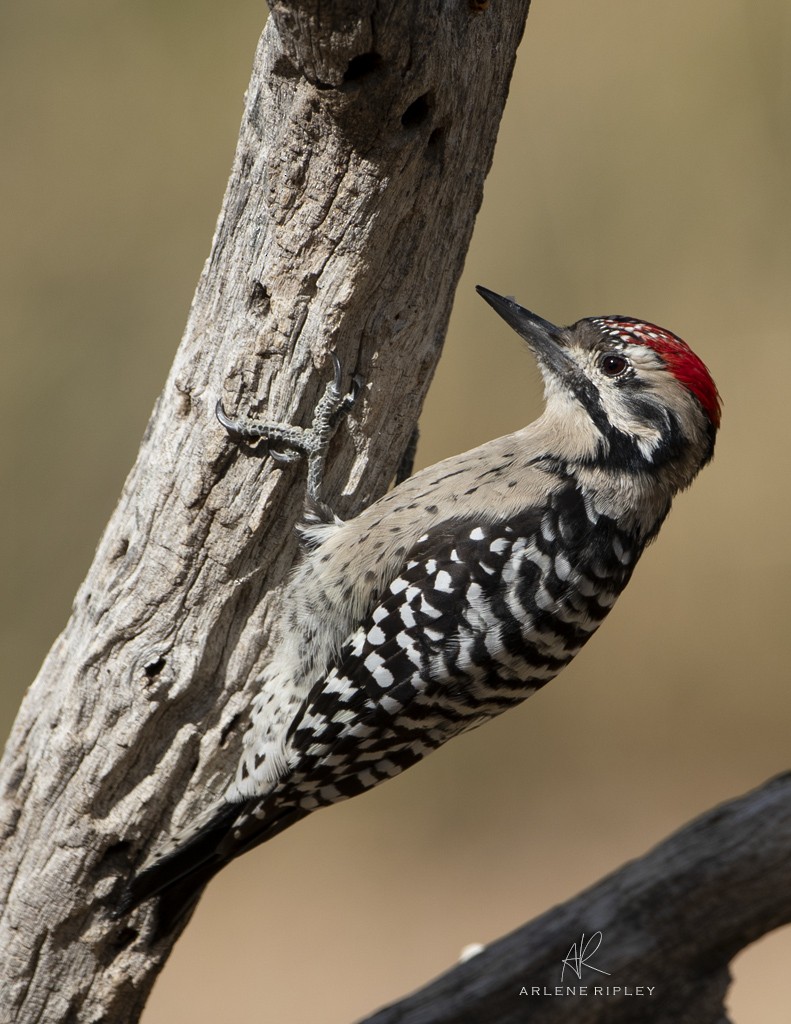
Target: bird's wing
{"type": "Point", "coordinates": [457, 637]}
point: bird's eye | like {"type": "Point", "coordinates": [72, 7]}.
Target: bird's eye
{"type": "Point", "coordinates": [612, 365]}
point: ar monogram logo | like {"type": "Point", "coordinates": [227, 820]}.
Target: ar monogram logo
{"type": "Point", "coordinates": [580, 954]}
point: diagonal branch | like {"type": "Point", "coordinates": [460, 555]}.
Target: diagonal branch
{"type": "Point", "coordinates": [670, 924]}
{"type": "Point", "coordinates": [367, 132]}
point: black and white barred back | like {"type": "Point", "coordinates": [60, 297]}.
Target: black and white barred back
{"type": "Point", "coordinates": [481, 616]}
{"type": "Point", "coordinates": [465, 589]}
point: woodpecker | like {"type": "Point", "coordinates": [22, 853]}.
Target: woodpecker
{"type": "Point", "coordinates": [464, 589]}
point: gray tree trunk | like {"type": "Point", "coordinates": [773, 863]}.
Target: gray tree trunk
{"type": "Point", "coordinates": [368, 130]}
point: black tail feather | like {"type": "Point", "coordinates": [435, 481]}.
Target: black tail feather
{"type": "Point", "coordinates": [179, 875]}
{"type": "Point", "coordinates": [194, 862]}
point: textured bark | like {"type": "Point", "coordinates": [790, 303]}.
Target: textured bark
{"type": "Point", "coordinates": [672, 920]}
{"type": "Point", "coordinates": [367, 133]}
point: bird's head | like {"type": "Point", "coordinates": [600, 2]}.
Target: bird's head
{"type": "Point", "coordinates": [636, 396]}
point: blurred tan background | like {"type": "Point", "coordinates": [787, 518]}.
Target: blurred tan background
{"type": "Point", "coordinates": [643, 168]}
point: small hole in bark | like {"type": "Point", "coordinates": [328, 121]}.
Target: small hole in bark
{"type": "Point", "coordinates": [417, 112]}
{"type": "Point", "coordinates": [153, 668]}
{"type": "Point", "coordinates": [121, 548]}
{"type": "Point", "coordinates": [362, 65]}
{"type": "Point", "coordinates": [125, 937]}
{"type": "Point", "coordinates": [259, 298]}
{"type": "Point", "coordinates": [116, 855]}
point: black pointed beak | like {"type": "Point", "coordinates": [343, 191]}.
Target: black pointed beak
{"type": "Point", "coordinates": [547, 341]}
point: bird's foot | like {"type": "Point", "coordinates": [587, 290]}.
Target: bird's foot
{"type": "Point", "coordinates": [287, 443]}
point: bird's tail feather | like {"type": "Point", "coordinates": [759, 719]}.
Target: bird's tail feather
{"type": "Point", "coordinates": [193, 856]}
{"type": "Point", "coordinates": [178, 874]}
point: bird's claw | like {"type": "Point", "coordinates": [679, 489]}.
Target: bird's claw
{"type": "Point", "coordinates": [279, 456]}
{"type": "Point", "coordinates": [311, 442]}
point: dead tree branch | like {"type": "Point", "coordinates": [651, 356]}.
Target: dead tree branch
{"type": "Point", "coordinates": [671, 921]}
